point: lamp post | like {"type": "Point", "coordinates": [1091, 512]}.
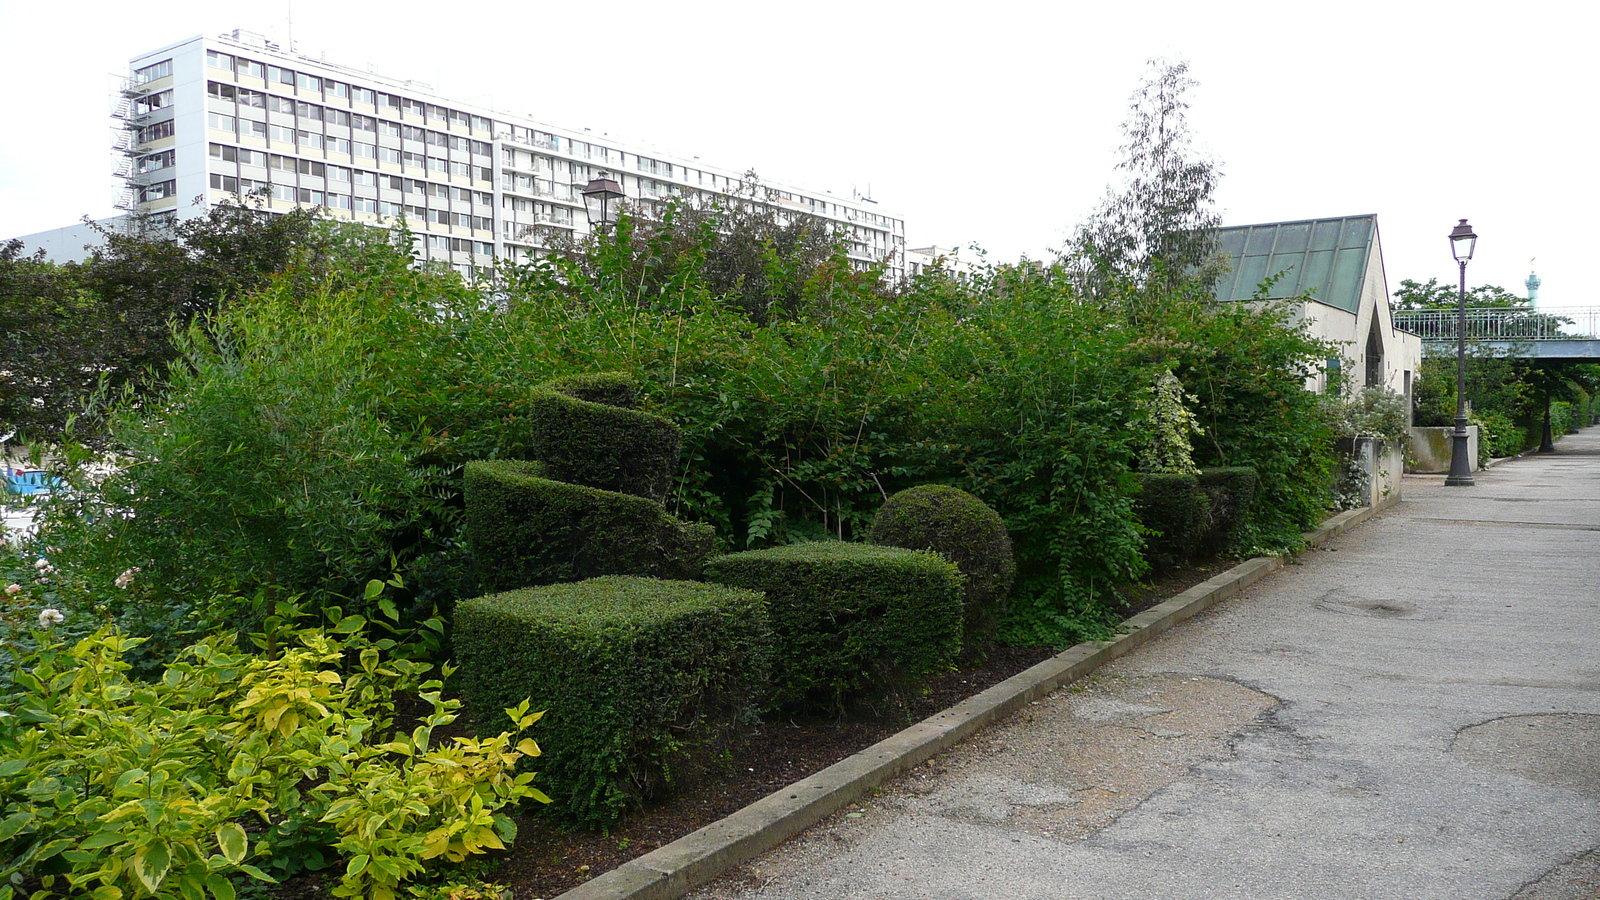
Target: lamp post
{"type": "Point", "coordinates": [601, 199]}
{"type": "Point", "coordinates": [1462, 243]}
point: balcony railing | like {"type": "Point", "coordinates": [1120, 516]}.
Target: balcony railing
{"type": "Point", "coordinates": [1501, 324]}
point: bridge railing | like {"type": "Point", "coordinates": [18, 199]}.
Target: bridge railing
{"type": "Point", "coordinates": [1502, 324]}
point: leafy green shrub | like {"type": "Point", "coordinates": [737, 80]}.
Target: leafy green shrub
{"type": "Point", "coordinates": [114, 787]}
{"type": "Point", "coordinates": [643, 681]}
{"type": "Point", "coordinates": [1561, 420]}
{"type": "Point", "coordinates": [851, 621]}
{"type": "Point", "coordinates": [964, 530]}
{"type": "Point", "coordinates": [618, 389]}
{"type": "Point", "coordinates": [1498, 436]}
{"type": "Point", "coordinates": [605, 447]}
{"type": "Point", "coordinates": [526, 530]}
{"type": "Point", "coordinates": [1173, 508]}
{"type": "Point", "coordinates": [1229, 492]}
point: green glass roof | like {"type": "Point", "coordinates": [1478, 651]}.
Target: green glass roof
{"type": "Point", "coordinates": [1323, 258]}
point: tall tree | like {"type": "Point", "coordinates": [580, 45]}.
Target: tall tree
{"type": "Point", "coordinates": [1434, 295]}
{"type": "Point", "coordinates": [1158, 230]}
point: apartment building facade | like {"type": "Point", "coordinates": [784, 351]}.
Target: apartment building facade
{"type": "Point", "coordinates": [214, 118]}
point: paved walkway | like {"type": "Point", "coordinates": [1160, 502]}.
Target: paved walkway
{"type": "Point", "coordinates": [1413, 712]}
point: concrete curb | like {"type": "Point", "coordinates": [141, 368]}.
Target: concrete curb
{"type": "Point", "coordinates": [670, 872]}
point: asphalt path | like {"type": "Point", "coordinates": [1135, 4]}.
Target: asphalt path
{"type": "Point", "coordinates": [1411, 712]}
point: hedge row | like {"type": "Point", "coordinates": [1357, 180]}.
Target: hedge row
{"type": "Point", "coordinates": [644, 681]}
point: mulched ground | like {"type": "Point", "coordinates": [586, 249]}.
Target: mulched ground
{"type": "Point", "coordinates": [546, 862]}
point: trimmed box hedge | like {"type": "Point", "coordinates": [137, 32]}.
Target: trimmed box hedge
{"type": "Point", "coordinates": [618, 389]}
{"type": "Point", "coordinates": [525, 529]}
{"type": "Point", "coordinates": [964, 530]}
{"type": "Point", "coordinates": [1173, 507]}
{"type": "Point", "coordinates": [850, 621]}
{"type": "Point", "coordinates": [598, 446]}
{"type": "Point", "coordinates": [644, 682]}
{"type": "Point", "coordinates": [1229, 492]}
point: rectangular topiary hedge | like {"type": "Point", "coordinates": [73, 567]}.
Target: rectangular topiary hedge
{"type": "Point", "coordinates": [1173, 507]}
{"type": "Point", "coordinates": [601, 446]}
{"type": "Point", "coordinates": [851, 621]}
{"type": "Point", "coordinates": [525, 529]}
{"type": "Point", "coordinates": [606, 388]}
{"type": "Point", "coordinates": [644, 682]}
{"type": "Point", "coordinates": [1229, 491]}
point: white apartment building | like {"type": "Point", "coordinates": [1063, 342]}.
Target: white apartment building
{"type": "Point", "coordinates": [209, 119]}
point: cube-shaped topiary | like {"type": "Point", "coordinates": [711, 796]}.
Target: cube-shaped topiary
{"type": "Point", "coordinates": [644, 682]}
{"type": "Point", "coordinates": [964, 530]}
{"type": "Point", "coordinates": [600, 446]}
{"type": "Point", "coordinates": [525, 529]}
{"type": "Point", "coordinates": [1173, 508]}
{"type": "Point", "coordinates": [850, 621]}
{"type": "Point", "coordinates": [618, 389]}
{"type": "Point", "coordinates": [1229, 491]}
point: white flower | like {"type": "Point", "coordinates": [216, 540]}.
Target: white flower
{"type": "Point", "coordinates": [44, 567]}
{"type": "Point", "coordinates": [50, 617]}
{"type": "Point", "coordinates": [13, 588]}
{"type": "Point", "coordinates": [126, 578]}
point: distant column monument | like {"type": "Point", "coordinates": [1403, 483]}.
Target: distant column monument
{"type": "Point", "coordinates": [1532, 284]}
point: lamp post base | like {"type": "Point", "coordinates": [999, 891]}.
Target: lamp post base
{"type": "Point", "coordinates": [1460, 465]}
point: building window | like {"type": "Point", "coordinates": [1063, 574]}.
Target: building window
{"type": "Point", "coordinates": [251, 68]}
{"type": "Point", "coordinates": [221, 122]}
{"type": "Point", "coordinates": [253, 99]}
{"type": "Point", "coordinates": [389, 155]}
{"type": "Point", "coordinates": [479, 123]}
{"type": "Point", "coordinates": [158, 191]}
{"type": "Point", "coordinates": [364, 123]}
{"type": "Point", "coordinates": [365, 151]}
{"type": "Point", "coordinates": [310, 82]}
{"type": "Point", "coordinates": [364, 95]}
{"type": "Point", "coordinates": [219, 60]}
{"type": "Point", "coordinates": [151, 103]}
{"type": "Point", "coordinates": [336, 89]}
{"type": "Point", "coordinates": [151, 73]}
{"type": "Point", "coordinates": [309, 167]}
{"type": "Point", "coordinates": [336, 117]}
{"type": "Point", "coordinates": [364, 204]}
{"type": "Point", "coordinates": [388, 128]}
{"type": "Point", "coordinates": [314, 198]}
{"type": "Point", "coordinates": [224, 183]}
{"type": "Point", "coordinates": [253, 129]}
{"type": "Point", "coordinates": [252, 158]}
{"type": "Point", "coordinates": [224, 153]}
{"type": "Point", "coordinates": [281, 134]}
{"type": "Point", "coordinates": [159, 161]}
{"type": "Point", "coordinates": [220, 91]}
{"type": "Point", "coordinates": [338, 145]}
{"type": "Point", "coordinates": [369, 179]}
{"type": "Point", "coordinates": [414, 108]}
{"type": "Point", "coordinates": [284, 192]}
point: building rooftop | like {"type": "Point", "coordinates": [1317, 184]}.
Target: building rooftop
{"type": "Point", "coordinates": [1325, 259]}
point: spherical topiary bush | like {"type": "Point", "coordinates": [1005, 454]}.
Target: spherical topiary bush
{"type": "Point", "coordinates": [964, 530]}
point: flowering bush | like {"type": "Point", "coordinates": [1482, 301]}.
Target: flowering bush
{"type": "Point", "coordinates": [112, 787]}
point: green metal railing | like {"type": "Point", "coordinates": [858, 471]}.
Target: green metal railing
{"type": "Point", "coordinates": [1502, 324]}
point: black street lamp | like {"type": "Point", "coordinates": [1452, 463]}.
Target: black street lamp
{"type": "Point", "coordinates": [601, 199]}
{"type": "Point", "coordinates": [1462, 243]}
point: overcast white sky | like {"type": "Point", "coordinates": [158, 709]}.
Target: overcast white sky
{"type": "Point", "coordinates": [992, 123]}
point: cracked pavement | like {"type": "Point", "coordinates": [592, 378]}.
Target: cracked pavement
{"type": "Point", "coordinates": [1412, 712]}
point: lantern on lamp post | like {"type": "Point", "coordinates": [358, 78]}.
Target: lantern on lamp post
{"type": "Point", "coordinates": [602, 199]}
{"type": "Point", "coordinates": [1462, 242]}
